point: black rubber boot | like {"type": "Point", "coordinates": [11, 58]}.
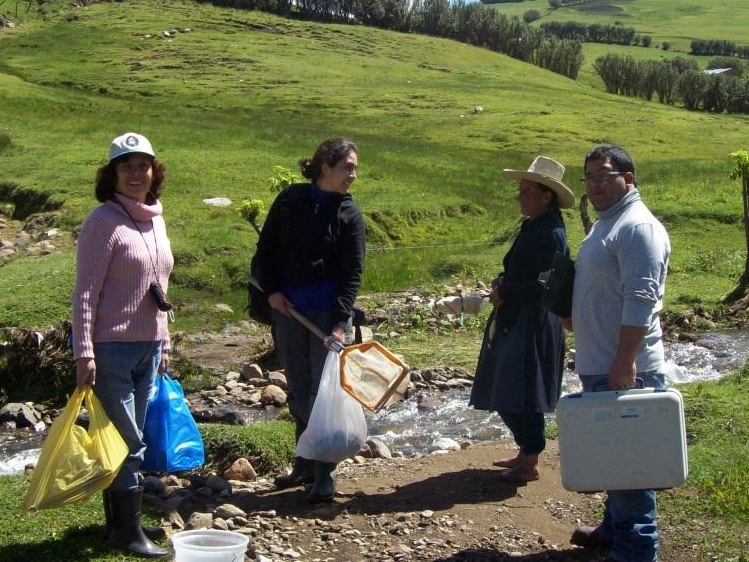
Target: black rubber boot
{"type": "Point", "coordinates": [304, 469]}
{"type": "Point", "coordinates": [127, 534]}
{"type": "Point", "coordinates": [303, 473]}
{"type": "Point", "coordinates": [323, 490]}
{"type": "Point", "coordinates": [153, 533]}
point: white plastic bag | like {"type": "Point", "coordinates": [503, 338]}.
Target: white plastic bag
{"type": "Point", "coordinates": [337, 428]}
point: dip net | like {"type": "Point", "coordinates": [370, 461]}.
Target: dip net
{"type": "Point", "coordinates": [373, 375]}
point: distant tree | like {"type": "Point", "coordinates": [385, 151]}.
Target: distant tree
{"type": "Point", "coordinates": [666, 45]}
{"type": "Point", "coordinates": [740, 170]}
{"type": "Point", "coordinates": [714, 94]}
{"type": "Point", "coordinates": [554, 4]}
{"type": "Point", "coordinates": [666, 81]}
{"type": "Point", "coordinates": [691, 86]}
{"type": "Point", "coordinates": [646, 41]}
{"type": "Point", "coordinates": [436, 16]}
{"type": "Point", "coordinates": [727, 62]}
{"type": "Point", "coordinates": [738, 95]}
{"type": "Point", "coordinates": [681, 64]}
{"type": "Point", "coordinates": [608, 69]}
{"type": "Point", "coordinates": [649, 74]}
{"type": "Point", "coordinates": [531, 16]}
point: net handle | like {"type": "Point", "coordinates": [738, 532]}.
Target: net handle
{"type": "Point", "coordinates": [334, 345]}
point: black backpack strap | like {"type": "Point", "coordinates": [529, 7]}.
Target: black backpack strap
{"type": "Point", "coordinates": [359, 318]}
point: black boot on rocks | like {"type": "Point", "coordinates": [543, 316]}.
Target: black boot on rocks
{"type": "Point", "coordinates": [303, 473]}
{"type": "Point", "coordinates": [323, 490]}
{"type": "Point", "coordinates": [127, 534]}
{"type": "Point", "coordinates": [304, 469]}
{"type": "Point", "coordinates": [153, 533]}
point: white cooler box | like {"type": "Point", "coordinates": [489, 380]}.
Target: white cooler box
{"type": "Point", "coordinates": [622, 440]}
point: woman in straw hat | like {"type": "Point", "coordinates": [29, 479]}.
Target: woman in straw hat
{"type": "Point", "coordinates": [519, 371]}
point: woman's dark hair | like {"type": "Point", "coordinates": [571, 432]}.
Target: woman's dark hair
{"type": "Point", "coordinates": [554, 203]}
{"type": "Point", "coordinates": [106, 180]}
{"type": "Point", "coordinates": [330, 152]}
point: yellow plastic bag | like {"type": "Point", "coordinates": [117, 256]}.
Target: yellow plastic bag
{"type": "Point", "coordinates": [74, 463]}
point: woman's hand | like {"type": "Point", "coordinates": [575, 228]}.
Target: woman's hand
{"type": "Point", "coordinates": [164, 363]}
{"type": "Point", "coordinates": [495, 299]}
{"type": "Point", "coordinates": [278, 302]}
{"type": "Point", "coordinates": [337, 334]}
{"type": "Point", "coordinates": [85, 371]}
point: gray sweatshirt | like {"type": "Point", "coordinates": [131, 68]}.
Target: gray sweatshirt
{"type": "Point", "coordinates": [620, 280]}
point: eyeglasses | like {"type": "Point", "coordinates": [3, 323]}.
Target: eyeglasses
{"type": "Point", "coordinates": [600, 177]}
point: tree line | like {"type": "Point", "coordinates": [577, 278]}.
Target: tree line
{"type": "Point", "coordinates": [615, 34]}
{"type": "Point", "coordinates": [471, 23]}
{"type": "Point", "coordinates": [718, 47]}
{"type": "Point", "coordinates": [675, 80]}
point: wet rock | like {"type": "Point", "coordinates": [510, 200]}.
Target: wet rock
{"type": "Point", "coordinates": [378, 448]}
{"type": "Point", "coordinates": [444, 444]}
{"type": "Point", "coordinates": [22, 414]}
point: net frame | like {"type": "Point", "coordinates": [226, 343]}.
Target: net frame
{"type": "Point", "coordinates": [376, 361]}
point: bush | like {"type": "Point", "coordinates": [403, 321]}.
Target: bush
{"type": "Point", "coordinates": [531, 16]}
{"type": "Point", "coordinates": [269, 446]}
{"type": "Point", "coordinates": [37, 365]}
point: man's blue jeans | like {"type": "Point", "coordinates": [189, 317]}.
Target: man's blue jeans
{"type": "Point", "coordinates": [125, 372]}
{"type": "Point", "coordinates": [629, 520]}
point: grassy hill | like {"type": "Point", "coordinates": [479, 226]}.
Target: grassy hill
{"type": "Point", "coordinates": [675, 21]}
{"type": "Point", "coordinates": [227, 95]}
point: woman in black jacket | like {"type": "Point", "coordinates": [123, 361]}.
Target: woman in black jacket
{"type": "Point", "coordinates": [310, 255]}
{"type": "Point", "coordinates": [519, 371]}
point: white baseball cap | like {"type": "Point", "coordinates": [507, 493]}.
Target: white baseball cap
{"type": "Point", "coordinates": [130, 143]}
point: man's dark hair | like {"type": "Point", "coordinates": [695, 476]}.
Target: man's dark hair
{"type": "Point", "coordinates": [619, 157]}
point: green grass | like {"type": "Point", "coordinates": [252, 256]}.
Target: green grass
{"type": "Point", "coordinates": [717, 493]}
{"type": "Point", "coordinates": [242, 92]}
{"type": "Point", "coordinates": [678, 22]}
{"type": "Point", "coordinates": [76, 532]}
{"type": "Point", "coordinates": [714, 497]}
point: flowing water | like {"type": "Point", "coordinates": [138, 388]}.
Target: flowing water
{"type": "Point", "coordinates": [407, 429]}
{"type": "Point", "coordinates": [403, 427]}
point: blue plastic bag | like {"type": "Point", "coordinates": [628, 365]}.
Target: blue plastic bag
{"type": "Point", "coordinates": [173, 442]}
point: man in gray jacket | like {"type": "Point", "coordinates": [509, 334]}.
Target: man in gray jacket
{"type": "Point", "coordinates": [620, 277]}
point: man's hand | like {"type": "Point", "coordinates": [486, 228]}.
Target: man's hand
{"type": "Point", "coordinates": [622, 376]}
{"type": "Point", "coordinates": [623, 369]}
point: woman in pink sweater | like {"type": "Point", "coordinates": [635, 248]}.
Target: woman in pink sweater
{"type": "Point", "coordinates": [120, 331]}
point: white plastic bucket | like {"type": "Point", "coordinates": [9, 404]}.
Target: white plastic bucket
{"type": "Point", "coordinates": [209, 545]}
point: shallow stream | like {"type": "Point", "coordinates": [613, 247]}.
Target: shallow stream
{"type": "Point", "coordinates": [407, 429]}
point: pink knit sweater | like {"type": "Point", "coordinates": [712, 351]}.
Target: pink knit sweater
{"type": "Point", "coordinates": [111, 300]}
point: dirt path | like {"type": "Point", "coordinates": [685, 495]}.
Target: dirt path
{"type": "Point", "coordinates": [441, 507]}
{"type": "Point", "coordinates": [437, 508]}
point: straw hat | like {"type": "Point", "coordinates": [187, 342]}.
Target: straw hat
{"type": "Point", "coordinates": [548, 173]}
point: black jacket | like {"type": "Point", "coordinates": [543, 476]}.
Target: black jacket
{"type": "Point", "coordinates": [303, 242]}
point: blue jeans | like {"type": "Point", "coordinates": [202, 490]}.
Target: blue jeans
{"type": "Point", "coordinates": [125, 372]}
{"type": "Point", "coordinates": [629, 519]}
